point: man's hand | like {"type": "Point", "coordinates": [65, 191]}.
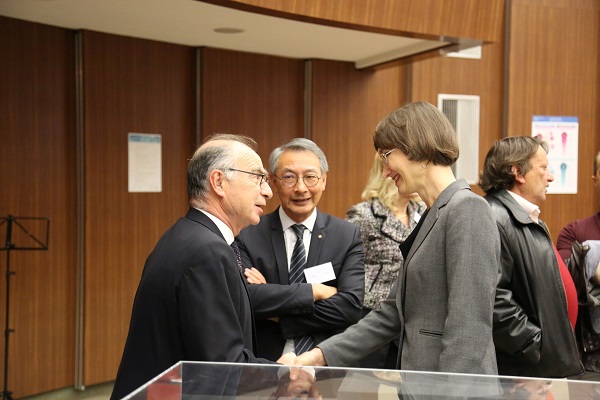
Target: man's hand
{"type": "Point", "coordinates": [287, 359]}
{"type": "Point", "coordinates": [322, 292]}
{"type": "Point", "coordinates": [254, 276]}
{"type": "Point", "coordinates": [314, 358]}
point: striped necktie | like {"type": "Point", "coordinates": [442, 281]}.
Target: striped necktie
{"type": "Point", "coordinates": [238, 256]}
{"type": "Point", "coordinates": [296, 275]}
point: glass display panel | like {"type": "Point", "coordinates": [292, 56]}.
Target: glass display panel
{"type": "Point", "coordinates": [201, 380]}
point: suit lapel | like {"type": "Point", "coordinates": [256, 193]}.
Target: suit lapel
{"type": "Point", "coordinates": [317, 240]}
{"type": "Point", "coordinates": [278, 243]}
{"type": "Point", "coordinates": [201, 218]}
{"type": "Point", "coordinates": [390, 226]}
{"type": "Point", "coordinates": [434, 213]}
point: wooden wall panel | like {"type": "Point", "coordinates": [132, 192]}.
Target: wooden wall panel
{"type": "Point", "coordinates": [471, 19]}
{"type": "Point", "coordinates": [254, 95]}
{"type": "Point", "coordinates": [347, 104]}
{"type": "Point", "coordinates": [555, 71]}
{"type": "Point", "coordinates": [130, 85]}
{"type": "Point", "coordinates": [37, 178]}
{"type": "Point", "coordinates": [483, 78]}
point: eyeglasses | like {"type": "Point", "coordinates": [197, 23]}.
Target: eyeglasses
{"type": "Point", "coordinates": [263, 177]}
{"type": "Point", "coordinates": [385, 155]}
{"type": "Point", "coordinates": [290, 180]}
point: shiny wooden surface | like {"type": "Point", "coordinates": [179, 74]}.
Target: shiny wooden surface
{"type": "Point", "coordinates": [255, 95]}
{"type": "Point", "coordinates": [347, 104]}
{"type": "Point", "coordinates": [556, 72]}
{"type": "Point", "coordinates": [483, 78]}
{"type": "Point", "coordinates": [37, 179]}
{"type": "Point", "coordinates": [140, 86]}
{"type": "Point", "coordinates": [552, 68]}
{"type": "Point", "coordinates": [467, 19]}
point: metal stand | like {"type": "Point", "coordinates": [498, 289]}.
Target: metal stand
{"type": "Point", "coordinates": [8, 247]}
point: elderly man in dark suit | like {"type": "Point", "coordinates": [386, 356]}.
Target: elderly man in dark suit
{"type": "Point", "coordinates": [192, 302]}
{"type": "Point", "coordinates": [306, 267]}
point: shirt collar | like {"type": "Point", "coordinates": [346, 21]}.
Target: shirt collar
{"type": "Point", "coordinates": [531, 209]}
{"type": "Point", "coordinates": [223, 228]}
{"type": "Point", "coordinates": [287, 222]}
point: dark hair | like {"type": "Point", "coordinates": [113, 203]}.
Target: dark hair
{"type": "Point", "coordinates": [421, 131]}
{"type": "Point", "coordinates": [208, 158]}
{"type": "Point", "coordinates": [497, 168]}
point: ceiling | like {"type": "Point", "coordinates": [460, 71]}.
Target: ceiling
{"type": "Point", "coordinates": [193, 23]}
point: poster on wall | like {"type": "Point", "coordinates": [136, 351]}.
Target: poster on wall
{"type": "Point", "coordinates": [561, 134]}
{"type": "Point", "coordinates": [144, 162]}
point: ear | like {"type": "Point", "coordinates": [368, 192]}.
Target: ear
{"type": "Point", "coordinates": [217, 182]}
{"type": "Point", "coordinates": [324, 179]}
{"type": "Point", "coordinates": [518, 177]}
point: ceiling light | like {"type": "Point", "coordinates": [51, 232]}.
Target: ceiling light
{"type": "Point", "coordinates": [228, 30]}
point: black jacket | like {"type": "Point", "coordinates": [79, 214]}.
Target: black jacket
{"type": "Point", "coordinates": [532, 332]}
{"type": "Point", "coordinates": [333, 240]}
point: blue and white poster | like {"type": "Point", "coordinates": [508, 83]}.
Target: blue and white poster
{"type": "Point", "coordinates": [144, 162]}
{"type": "Point", "coordinates": [561, 134]}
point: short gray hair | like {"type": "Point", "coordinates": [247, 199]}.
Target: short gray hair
{"type": "Point", "coordinates": [208, 158]}
{"type": "Point", "coordinates": [298, 144]}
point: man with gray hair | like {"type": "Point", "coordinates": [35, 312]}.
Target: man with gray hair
{"type": "Point", "coordinates": [306, 268]}
{"type": "Point", "coordinates": [192, 302]}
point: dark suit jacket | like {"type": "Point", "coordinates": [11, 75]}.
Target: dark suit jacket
{"type": "Point", "coordinates": [333, 240]}
{"type": "Point", "coordinates": [191, 304]}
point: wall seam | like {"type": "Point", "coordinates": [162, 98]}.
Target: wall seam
{"type": "Point", "coordinates": [80, 219]}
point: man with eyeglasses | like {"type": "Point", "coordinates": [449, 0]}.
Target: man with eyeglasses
{"type": "Point", "coordinates": [192, 302]}
{"type": "Point", "coordinates": [306, 268]}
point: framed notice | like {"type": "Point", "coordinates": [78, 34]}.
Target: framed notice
{"type": "Point", "coordinates": [145, 166]}
{"type": "Point", "coordinates": [562, 135]}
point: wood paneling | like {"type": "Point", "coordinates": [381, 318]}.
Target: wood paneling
{"type": "Point", "coordinates": [483, 78]}
{"type": "Point", "coordinates": [554, 70]}
{"type": "Point", "coordinates": [130, 85]}
{"type": "Point", "coordinates": [133, 85]}
{"type": "Point", "coordinates": [254, 95]}
{"type": "Point", "coordinates": [469, 19]}
{"type": "Point", "coordinates": [347, 104]}
{"type": "Point", "coordinates": [37, 178]}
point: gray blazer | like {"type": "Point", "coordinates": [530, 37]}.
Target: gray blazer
{"type": "Point", "coordinates": [442, 303]}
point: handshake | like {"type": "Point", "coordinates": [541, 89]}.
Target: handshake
{"type": "Point", "coordinates": [312, 358]}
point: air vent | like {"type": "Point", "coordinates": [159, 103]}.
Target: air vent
{"type": "Point", "coordinates": [463, 113]}
{"type": "Point", "coordinates": [471, 52]}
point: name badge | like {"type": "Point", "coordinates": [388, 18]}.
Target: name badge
{"type": "Point", "coordinates": [320, 273]}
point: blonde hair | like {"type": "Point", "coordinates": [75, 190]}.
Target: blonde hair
{"type": "Point", "coordinates": [379, 187]}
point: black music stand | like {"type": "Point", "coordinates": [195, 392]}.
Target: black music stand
{"type": "Point", "coordinates": [26, 240]}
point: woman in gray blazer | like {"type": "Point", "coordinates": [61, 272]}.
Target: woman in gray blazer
{"type": "Point", "coordinates": [385, 220]}
{"type": "Point", "coordinates": [442, 303]}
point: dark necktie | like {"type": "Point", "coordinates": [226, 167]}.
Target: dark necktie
{"type": "Point", "coordinates": [296, 275]}
{"type": "Point", "coordinates": [238, 256]}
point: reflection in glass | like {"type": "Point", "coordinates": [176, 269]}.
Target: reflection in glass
{"type": "Point", "coordinates": [200, 380]}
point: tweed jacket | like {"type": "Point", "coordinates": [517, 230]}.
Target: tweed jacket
{"type": "Point", "coordinates": [381, 234]}
{"type": "Point", "coordinates": [441, 306]}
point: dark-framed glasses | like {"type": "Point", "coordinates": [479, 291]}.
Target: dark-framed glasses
{"type": "Point", "coordinates": [290, 180]}
{"type": "Point", "coordinates": [261, 178]}
{"type": "Point", "coordinates": [385, 155]}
